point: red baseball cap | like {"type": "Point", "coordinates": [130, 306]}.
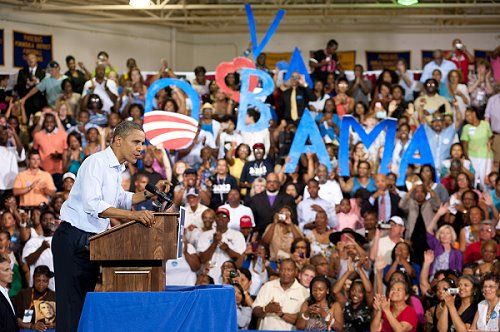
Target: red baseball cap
{"type": "Point", "coordinates": [223, 211]}
{"type": "Point", "coordinates": [259, 146]}
{"type": "Point", "coordinates": [246, 222]}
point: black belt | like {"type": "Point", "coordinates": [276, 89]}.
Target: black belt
{"type": "Point", "coordinates": [84, 236]}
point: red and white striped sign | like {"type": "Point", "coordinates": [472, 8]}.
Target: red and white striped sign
{"type": "Point", "coordinates": [172, 130]}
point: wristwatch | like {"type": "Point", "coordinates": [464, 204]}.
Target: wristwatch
{"type": "Point", "coordinates": [282, 314]}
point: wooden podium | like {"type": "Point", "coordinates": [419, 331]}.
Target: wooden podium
{"type": "Point", "coordinates": [133, 256]}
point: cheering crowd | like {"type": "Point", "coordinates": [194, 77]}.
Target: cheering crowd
{"type": "Point", "coordinates": [308, 250]}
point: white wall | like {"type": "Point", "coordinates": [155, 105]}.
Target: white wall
{"type": "Point", "coordinates": [149, 43]}
{"type": "Point", "coordinates": [360, 42]}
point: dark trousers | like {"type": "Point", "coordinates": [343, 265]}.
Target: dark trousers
{"type": "Point", "coordinates": [74, 272]}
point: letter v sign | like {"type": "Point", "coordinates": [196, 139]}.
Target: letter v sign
{"type": "Point", "coordinates": [256, 48]}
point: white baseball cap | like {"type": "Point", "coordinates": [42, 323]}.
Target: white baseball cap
{"type": "Point", "coordinates": [397, 220]}
{"type": "Point", "coordinates": [69, 175]}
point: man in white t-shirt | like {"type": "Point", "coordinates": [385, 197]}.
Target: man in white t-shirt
{"type": "Point", "coordinates": [329, 190]}
{"type": "Point", "coordinates": [203, 139]}
{"type": "Point", "coordinates": [193, 223]}
{"type": "Point", "coordinates": [219, 245]}
{"type": "Point", "coordinates": [106, 89]}
{"type": "Point", "coordinates": [182, 271]}
{"type": "Point", "coordinates": [237, 210]}
{"type": "Point", "coordinates": [194, 209]}
{"type": "Point", "coordinates": [228, 138]}
{"type": "Point", "coordinates": [37, 251]}
{"type": "Point", "coordinates": [382, 246]}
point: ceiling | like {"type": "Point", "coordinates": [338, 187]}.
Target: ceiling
{"type": "Point", "coordinates": [218, 16]}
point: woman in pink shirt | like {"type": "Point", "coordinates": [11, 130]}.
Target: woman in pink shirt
{"type": "Point", "coordinates": [348, 218]}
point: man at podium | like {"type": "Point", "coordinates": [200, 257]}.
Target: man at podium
{"type": "Point", "coordinates": [96, 196]}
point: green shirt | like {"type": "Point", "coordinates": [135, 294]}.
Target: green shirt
{"type": "Point", "coordinates": [477, 138]}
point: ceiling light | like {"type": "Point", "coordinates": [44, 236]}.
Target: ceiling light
{"type": "Point", "coordinates": [139, 3]}
{"type": "Point", "coordinates": [407, 2]}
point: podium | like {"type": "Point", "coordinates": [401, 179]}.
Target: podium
{"type": "Point", "coordinates": [133, 256]}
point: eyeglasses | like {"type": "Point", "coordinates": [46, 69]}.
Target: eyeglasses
{"type": "Point", "coordinates": [431, 84]}
{"type": "Point", "coordinates": [490, 286]}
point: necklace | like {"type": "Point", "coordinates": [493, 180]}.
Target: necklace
{"type": "Point", "coordinates": [490, 311]}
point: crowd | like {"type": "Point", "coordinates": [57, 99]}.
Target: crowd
{"type": "Point", "coordinates": [305, 250]}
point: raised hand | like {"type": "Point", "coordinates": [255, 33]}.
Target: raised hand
{"type": "Point", "coordinates": [429, 256]}
{"type": "Point", "coordinates": [443, 209]}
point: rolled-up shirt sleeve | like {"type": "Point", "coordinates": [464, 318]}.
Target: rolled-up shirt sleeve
{"type": "Point", "coordinates": [92, 195]}
{"type": "Point", "coordinates": [125, 199]}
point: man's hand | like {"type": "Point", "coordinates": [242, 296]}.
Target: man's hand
{"type": "Point", "coordinates": [317, 208]}
{"type": "Point", "coordinates": [163, 185]}
{"type": "Point", "coordinates": [40, 327]}
{"type": "Point", "coordinates": [217, 237]}
{"type": "Point", "coordinates": [144, 217]}
{"type": "Point", "coordinates": [45, 245]}
{"type": "Point", "coordinates": [272, 307]}
{"type": "Point", "coordinates": [224, 246]}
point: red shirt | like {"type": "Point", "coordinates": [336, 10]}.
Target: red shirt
{"type": "Point", "coordinates": [462, 63]}
{"type": "Point", "coordinates": [473, 252]}
{"type": "Point", "coordinates": [407, 315]}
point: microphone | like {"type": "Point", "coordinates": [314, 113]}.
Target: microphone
{"type": "Point", "coordinates": [160, 194]}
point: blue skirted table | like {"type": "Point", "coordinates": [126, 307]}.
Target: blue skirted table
{"type": "Point", "coordinates": [201, 308]}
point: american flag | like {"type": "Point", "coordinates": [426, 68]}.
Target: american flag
{"type": "Point", "coordinates": [172, 130]}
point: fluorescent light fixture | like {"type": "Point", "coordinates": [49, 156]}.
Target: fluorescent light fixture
{"type": "Point", "coordinates": [407, 2]}
{"type": "Point", "coordinates": [139, 3]}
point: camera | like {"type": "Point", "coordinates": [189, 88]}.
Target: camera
{"type": "Point", "coordinates": [459, 46]}
{"type": "Point", "coordinates": [383, 225]}
{"type": "Point", "coordinates": [452, 291]}
{"type": "Point", "coordinates": [281, 217]}
{"type": "Point", "coordinates": [233, 274]}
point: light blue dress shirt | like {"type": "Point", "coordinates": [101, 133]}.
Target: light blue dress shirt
{"type": "Point", "coordinates": [98, 187]}
{"type": "Point", "coordinates": [440, 143]}
{"type": "Point", "coordinates": [445, 67]}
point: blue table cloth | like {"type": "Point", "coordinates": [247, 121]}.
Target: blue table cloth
{"type": "Point", "coordinates": [202, 308]}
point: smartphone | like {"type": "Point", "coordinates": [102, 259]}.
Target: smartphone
{"type": "Point", "coordinates": [452, 291]}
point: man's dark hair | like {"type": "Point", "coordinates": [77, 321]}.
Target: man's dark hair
{"type": "Point", "coordinates": [312, 181]}
{"type": "Point", "coordinates": [200, 70]}
{"type": "Point", "coordinates": [332, 42]}
{"type": "Point", "coordinates": [103, 53]}
{"type": "Point", "coordinates": [33, 152]}
{"type": "Point", "coordinates": [69, 58]}
{"type": "Point", "coordinates": [431, 80]}
{"type": "Point", "coordinates": [253, 113]}
{"type": "Point", "coordinates": [124, 128]}
{"type": "Point", "coordinates": [45, 212]}
{"type": "Point", "coordinates": [288, 260]}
